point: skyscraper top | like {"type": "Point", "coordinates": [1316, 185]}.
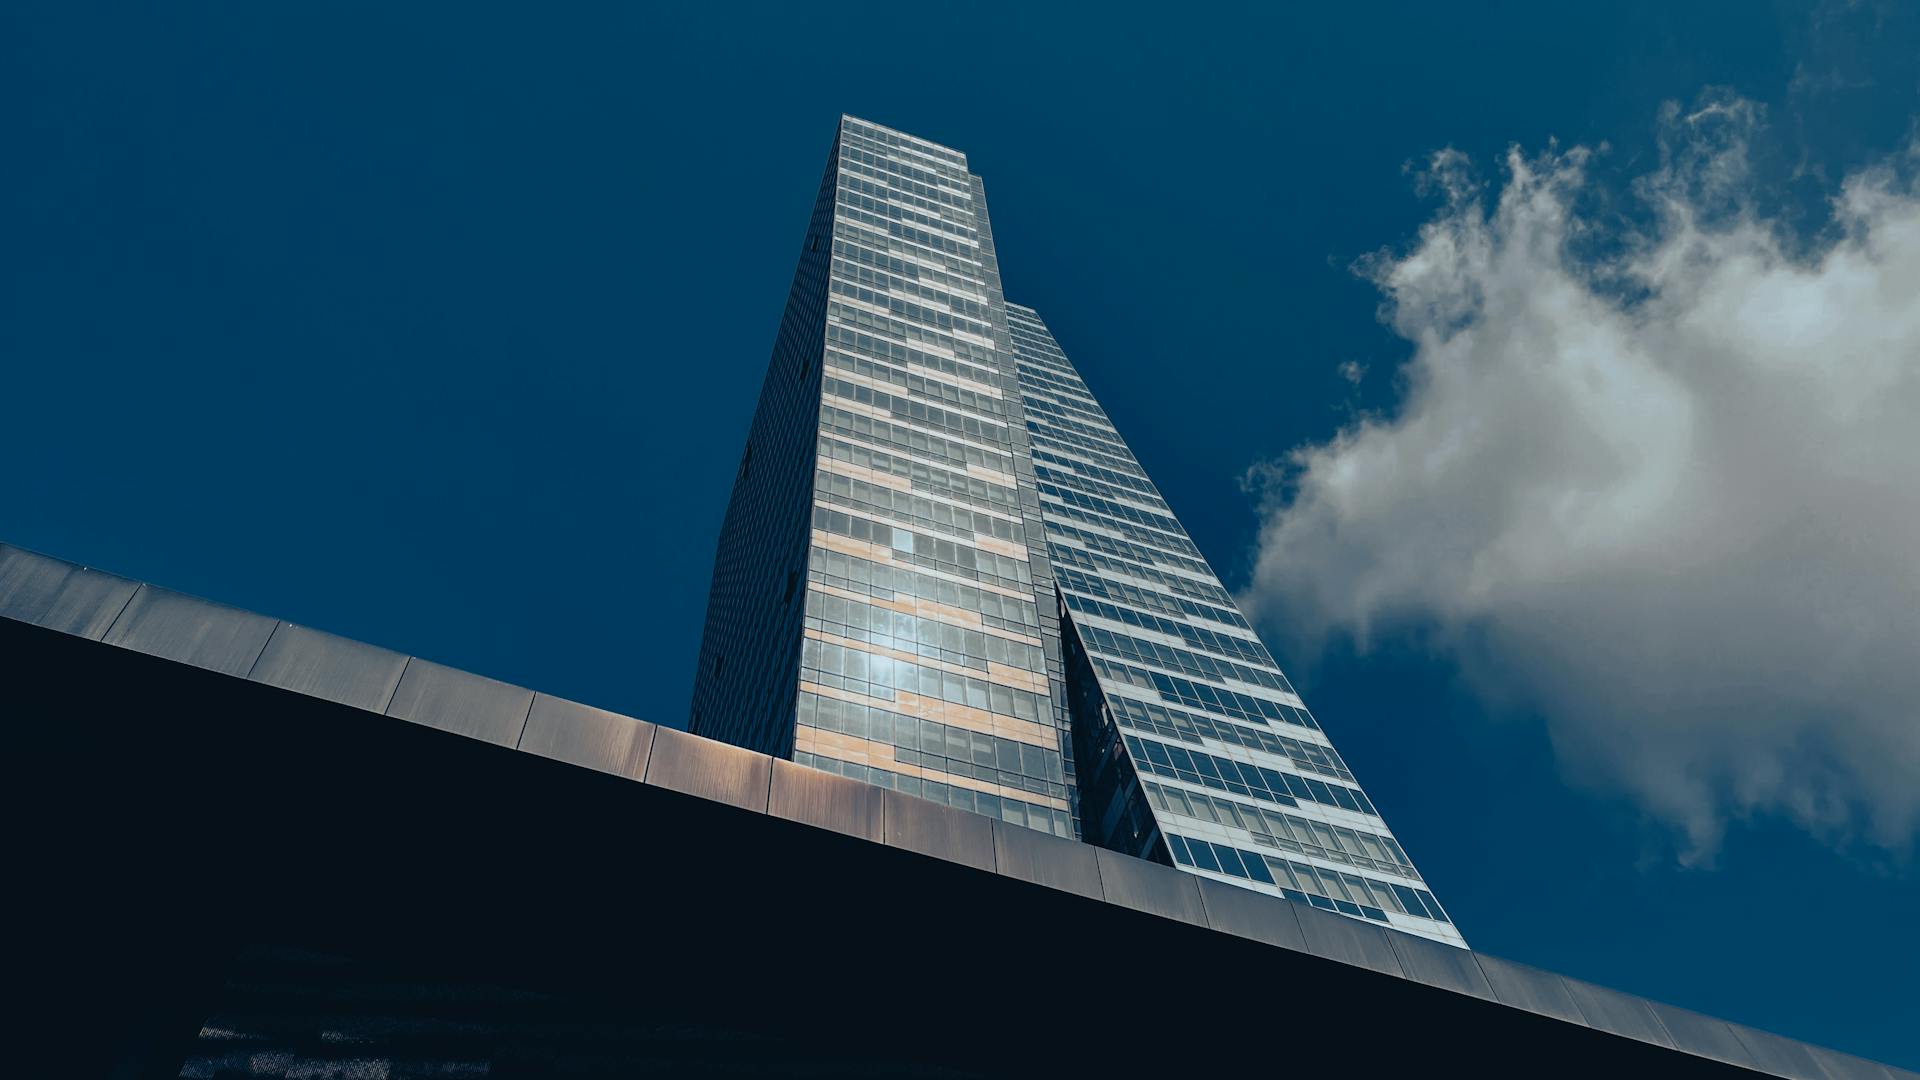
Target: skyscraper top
{"type": "Point", "coordinates": [903, 139]}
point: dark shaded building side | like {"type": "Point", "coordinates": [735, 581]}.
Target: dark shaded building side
{"type": "Point", "coordinates": [259, 850]}
{"type": "Point", "coordinates": [743, 690]}
{"type": "Point", "coordinates": [1113, 808]}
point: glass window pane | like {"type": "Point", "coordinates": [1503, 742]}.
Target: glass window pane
{"type": "Point", "coordinates": [1230, 860]}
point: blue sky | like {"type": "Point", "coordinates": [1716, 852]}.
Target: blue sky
{"type": "Point", "coordinates": [440, 327]}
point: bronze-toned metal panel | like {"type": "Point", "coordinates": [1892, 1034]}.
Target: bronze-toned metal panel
{"type": "Point", "coordinates": [187, 629]}
{"type": "Point", "coordinates": [451, 700]}
{"type": "Point", "coordinates": [583, 735]}
{"type": "Point", "coordinates": [1045, 859]}
{"type": "Point", "coordinates": [324, 666]}
{"type": "Point", "coordinates": [826, 801]}
{"type": "Point", "coordinates": [1150, 887]}
{"type": "Point", "coordinates": [59, 595]}
{"type": "Point", "coordinates": [709, 769]}
{"type": "Point", "coordinates": [924, 826]}
{"type": "Point", "coordinates": [1248, 914]}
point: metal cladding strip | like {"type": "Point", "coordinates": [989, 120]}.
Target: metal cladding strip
{"type": "Point", "coordinates": [187, 629]}
{"type": "Point", "coordinates": [1150, 887]}
{"type": "Point", "coordinates": [710, 770]}
{"type": "Point", "coordinates": [1428, 961]}
{"type": "Point", "coordinates": [943, 832]}
{"type": "Point", "coordinates": [1621, 1014]}
{"type": "Point", "coordinates": [588, 737]}
{"type": "Point", "coordinates": [826, 801]}
{"type": "Point", "coordinates": [1531, 989]}
{"type": "Point", "coordinates": [1841, 1066]}
{"type": "Point", "coordinates": [1248, 914]}
{"type": "Point", "coordinates": [1044, 859]}
{"type": "Point", "coordinates": [74, 600]}
{"type": "Point", "coordinates": [1706, 1036]}
{"type": "Point", "coordinates": [481, 708]}
{"type": "Point", "coordinates": [334, 668]}
{"type": "Point", "coordinates": [1778, 1054]}
{"type": "Point", "coordinates": [59, 595]}
{"type": "Point", "coordinates": [1349, 941]}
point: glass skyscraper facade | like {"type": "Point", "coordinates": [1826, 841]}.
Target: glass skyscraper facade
{"type": "Point", "coordinates": [1193, 745]}
{"type": "Point", "coordinates": [942, 571]}
{"type": "Point", "coordinates": [882, 606]}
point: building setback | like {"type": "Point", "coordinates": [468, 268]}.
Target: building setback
{"type": "Point", "coordinates": [1194, 748]}
{"type": "Point", "coordinates": [943, 572]}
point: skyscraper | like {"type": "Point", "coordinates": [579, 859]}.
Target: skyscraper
{"type": "Point", "coordinates": [881, 604]}
{"type": "Point", "coordinates": [1192, 743]}
{"type": "Point", "coordinates": [942, 571]}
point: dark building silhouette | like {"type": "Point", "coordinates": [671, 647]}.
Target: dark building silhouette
{"type": "Point", "coordinates": [253, 849]}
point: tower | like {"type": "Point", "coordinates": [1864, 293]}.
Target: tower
{"type": "Point", "coordinates": [943, 571]}
{"type": "Point", "coordinates": [880, 604]}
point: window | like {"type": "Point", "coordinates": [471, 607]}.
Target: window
{"type": "Point", "coordinates": [1309, 881]}
{"type": "Point", "coordinates": [1177, 801]}
{"type": "Point", "coordinates": [1257, 869]}
{"type": "Point", "coordinates": [1282, 875]}
{"type": "Point", "coordinates": [1324, 836]}
{"type": "Point", "coordinates": [1334, 886]}
{"type": "Point", "coordinates": [1358, 887]}
{"type": "Point", "coordinates": [1433, 906]}
{"type": "Point", "coordinates": [1374, 850]}
{"type": "Point", "coordinates": [1229, 860]}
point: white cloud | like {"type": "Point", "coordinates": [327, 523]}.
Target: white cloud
{"type": "Point", "coordinates": [1659, 483]}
